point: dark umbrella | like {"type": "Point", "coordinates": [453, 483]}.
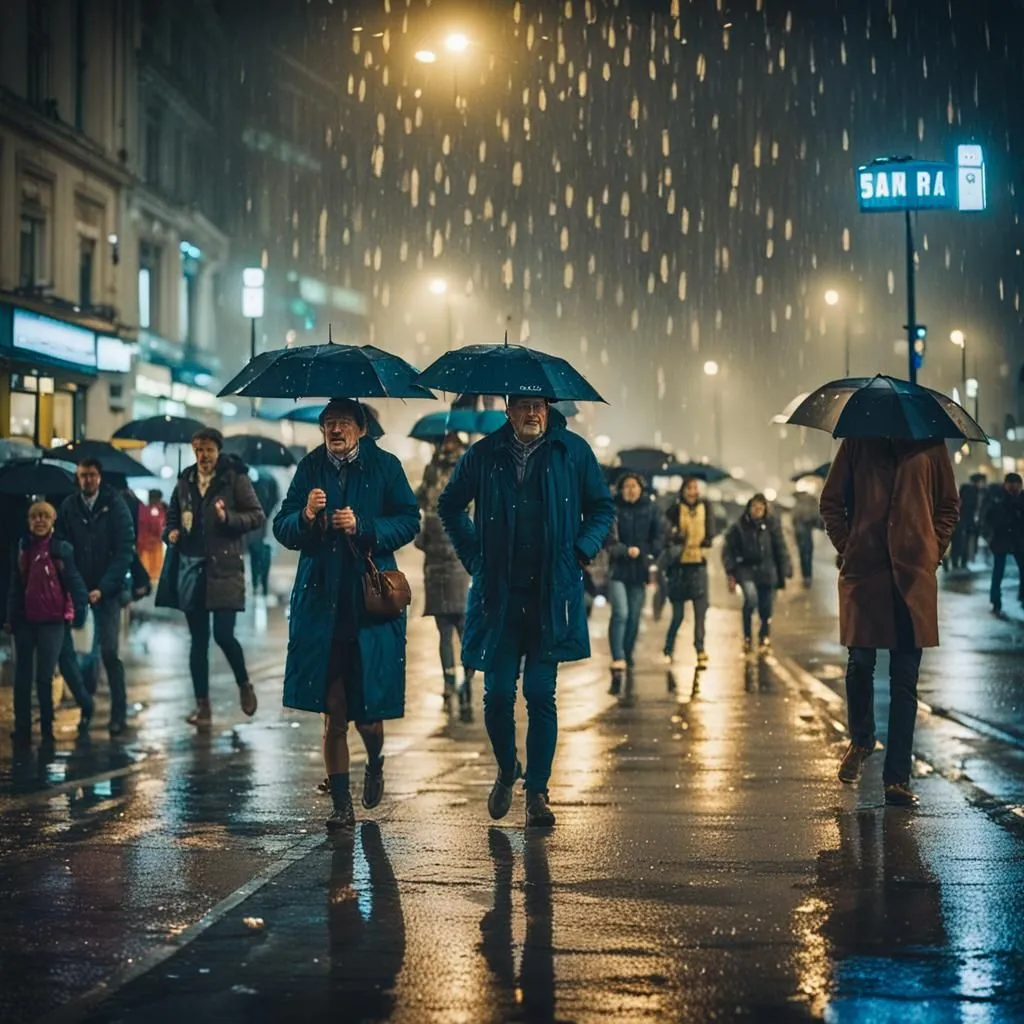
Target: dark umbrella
{"type": "Point", "coordinates": [649, 461]}
{"type": "Point", "coordinates": [112, 459]}
{"type": "Point", "coordinates": [821, 472]}
{"type": "Point", "coordinates": [14, 448]}
{"type": "Point", "coordinates": [885, 407]}
{"type": "Point", "coordinates": [31, 476]}
{"type": "Point", "coordinates": [311, 414]}
{"type": "Point", "coordinates": [699, 470]}
{"type": "Point", "coordinates": [507, 370]}
{"type": "Point", "coordinates": [327, 371]}
{"type": "Point", "coordinates": [160, 430]}
{"type": "Point", "coordinates": [255, 450]}
{"type": "Point", "coordinates": [437, 425]}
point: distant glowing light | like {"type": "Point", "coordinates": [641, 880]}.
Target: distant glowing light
{"type": "Point", "coordinates": [602, 441]}
{"type": "Point", "coordinates": [958, 338]}
{"type": "Point", "coordinates": [438, 286]}
{"type": "Point", "coordinates": [832, 297]}
{"type": "Point", "coordinates": [770, 493]}
{"type": "Point", "coordinates": [711, 368]}
{"type": "Point", "coordinates": [426, 56]}
{"type": "Point", "coordinates": [457, 42]}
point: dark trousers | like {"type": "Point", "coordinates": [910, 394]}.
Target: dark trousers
{"type": "Point", "coordinates": [199, 655]}
{"type": "Point", "coordinates": [259, 559]}
{"type": "Point", "coordinates": [805, 546]}
{"type": "Point", "coordinates": [700, 613]}
{"type": "Point", "coordinates": [447, 628]}
{"type": "Point", "coordinates": [627, 601]}
{"type": "Point", "coordinates": [519, 646]}
{"type": "Point", "coordinates": [37, 649]}
{"type": "Point", "coordinates": [904, 666]}
{"type": "Point", "coordinates": [998, 571]}
{"type": "Point", "coordinates": [759, 597]}
{"type": "Point", "coordinates": [83, 678]}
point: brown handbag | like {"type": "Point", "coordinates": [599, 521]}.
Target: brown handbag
{"type": "Point", "coordinates": [386, 594]}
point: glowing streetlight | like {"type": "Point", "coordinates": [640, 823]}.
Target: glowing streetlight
{"type": "Point", "coordinates": [426, 56]}
{"type": "Point", "coordinates": [457, 42]}
{"type": "Point", "coordinates": [960, 340]}
{"type": "Point", "coordinates": [438, 286]}
{"type": "Point", "coordinates": [832, 297]}
{"type": "Point", "coordinates": [711, 368]}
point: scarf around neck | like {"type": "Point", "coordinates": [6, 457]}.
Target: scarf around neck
{"type": "Point", "coordinates": [521, 452]}
{"type": "Point", "coordinates": [340, 462]}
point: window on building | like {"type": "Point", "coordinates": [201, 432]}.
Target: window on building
{"type": "Point", "coordinates": [63, 417]}
{"type": "Point", "coordinates": [149, 286]}
{"type": "Point", "coordinates": [34, 238]}
{"type": "Point", "coordinates": [89, 222]}
{"type": "Point", "coordinates": [86, 266]}
{"type": "Point", "coordinates": [153, 146]}
{"type": "Point", "coordinates": [38, 51]}
{"type": "Point", "coordinates": [23, 415]}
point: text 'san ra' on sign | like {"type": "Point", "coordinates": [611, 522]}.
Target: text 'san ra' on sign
{"type": "Point", "coordinates": [908, 185]}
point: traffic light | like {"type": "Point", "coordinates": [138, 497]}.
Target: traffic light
{"type": "Point", "coordinates": [920, 344]}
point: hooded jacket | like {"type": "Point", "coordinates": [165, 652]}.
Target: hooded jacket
{"type": "Point", "coordinates": [638, 524]}
{"type": "Point", "coordinates": [755, 551]}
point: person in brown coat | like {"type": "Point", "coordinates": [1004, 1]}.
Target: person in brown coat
{"type": "Point", "coordinates": [890, 508]}
{"type": "Point", "coordinates": [212, 507]}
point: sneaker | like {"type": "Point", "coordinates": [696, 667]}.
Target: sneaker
{"type": "Point", "coordinates": [342, 817]}
{"type": "Point", "coordinates": [373, 784]}
{"type": "Point", "coordinates": [702, 660]}
{"type": "Point", "coordinates": [247, 699]}
{"type": "Point", "coordinates": [899, 794]}
{"type": "Point", "coordinates": [499, 803]}
{"type": "Point", "coordinates": [853, 760]}
{"type": "Point", "coordinates": [538, 813]}
{"type": "Point", "coordinates": [324, 786]}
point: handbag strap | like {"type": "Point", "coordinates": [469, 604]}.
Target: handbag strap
{"type": "Point", "coordinates": [364, 555]}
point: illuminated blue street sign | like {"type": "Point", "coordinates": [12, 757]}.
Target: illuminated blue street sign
{"type": "Point", "coordinates": [895, 185]}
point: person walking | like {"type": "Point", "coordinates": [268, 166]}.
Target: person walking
{"type": "Point", "coordinates": [150, 528]}
{"type": "Point", "coordinates": [213, 507]}
{"type": "Point", "coordinates": [806, 519]}
{"type": "Point", "coordinates": [636, 538]}
{"type": "Point", "coordinates": [691, 532]}
{"type": "Point", "coordinates": [756, 559]}
{"type": "Point", "coordinates": [541, 511]}
{"type": "Point", "coordinates": [47, 595]}
{"type": "Point", "coordinates": [889, 508]}
{"type": "Point", "coordinates": [965, 537]}
{"type": "Point", "coordinates": [98, 526]}
{"type": "Point", "coordinates": [268, 494]}
{"type": "Point", "coordinates": [348, 502]}
{"type": "Point", "coordinates": [1004, 532]}
{"type": "Point", "coordinates": [445, 582]}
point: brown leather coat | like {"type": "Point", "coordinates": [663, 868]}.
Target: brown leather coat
{"type": "Point", "coordinates": [889, 508]}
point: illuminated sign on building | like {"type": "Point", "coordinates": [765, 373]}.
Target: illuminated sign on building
{"type": "Point", "coordinates": [895, 185]}
{"type": "Point", "coordinates": [54, 339]}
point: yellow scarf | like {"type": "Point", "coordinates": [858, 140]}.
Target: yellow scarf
{"type": "Point", "coordinates": [693, 528]}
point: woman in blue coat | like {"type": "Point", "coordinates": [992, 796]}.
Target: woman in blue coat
{"type": "Point", "coordinates": [348, 500]}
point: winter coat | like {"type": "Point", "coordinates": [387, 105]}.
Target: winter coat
{"type": "Point", "coordinates": [150, 525]}
{"type": "Point", "coordinates": [579, 512]}
{"type": "Point", "coordinates": [805, 515]}
{"type": "Point", "coordinates": [685, 582]}
{"type": "Point", "coordinates": [637, 524]}
{"type": "Point", "coordinates": [1004, 524]}
{"type": "Point", "coordinates": [445, 582]}
{"type": "Point", "coordinates": [103, 539]}
{"type": "Point", "coordinates": [890, 508]}
{"type": "Point", "coordinates": [755, 551]}
{"type": "Point", "coordinates": [63, 557]}
{"type": "Point", "coordinates": [385, 509]}
{"type": "Point", "coordinates": [221, 543]}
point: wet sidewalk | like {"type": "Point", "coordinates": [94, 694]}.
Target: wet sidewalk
{"type": "Point", "coordinates": [706, 866]}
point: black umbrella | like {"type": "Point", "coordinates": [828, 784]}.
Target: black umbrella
{"type": "Point", "coordinates": [327, 371]}
{"type": "Point", "coordinates": [32, 476]}
{"type": "Point", "coordinates": [820, 472]}
{"type": "Point", "coordinates": [699, 470]}
{"type": "Point", "coordinates": [255, 450]}
{"type": "Point", "coordinates": [311, 414]}
{"type": "Point", "coordinates": [649, 461]}
{"type": "Point", "coordinates": [507, 370]}
{"type": "Point", "coordinates": [885, 407]}
{"type": "Point", "coordinates": [160, 430]}
{"type": "Point", "coordinates": [112, 459]}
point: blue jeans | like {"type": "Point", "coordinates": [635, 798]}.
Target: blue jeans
{"type": "Point", "coordinates": [627, 601]}
{"type": "Point", "coordinates": [998, 570]}
{"type": "Point", "coordinates": [37, 646]}
{"type": "Point", "coordinates": [759, 597]}
{"type": "Point", "coordinates": [106, 615]}
{"type": "Point", "coordinates": [519, 644]}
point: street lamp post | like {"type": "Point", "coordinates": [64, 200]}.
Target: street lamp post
{"type": "Point", "coordinates": [252, 305]}
{"type": "Point", "coordinates": [832, 298]}
{"type": "Point", "coordinates": [439, 286]}
{"type": "Point", "coordinates": [711, 369]}
{"type": "Point", "coordinates": [960, 340]}
{"type": "Point", "coordinates": [455, 43]}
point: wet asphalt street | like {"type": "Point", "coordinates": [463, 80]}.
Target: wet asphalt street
{"type": "Point", "coordinates": [706, 864]}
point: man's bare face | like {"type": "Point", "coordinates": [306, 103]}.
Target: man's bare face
{"type": "Point", "coordinates": [529, 417]}
{"type": "Point", "coordinates": [89, 479]}
{"type": "Point", "coordinates": [206, 453]}
{"type": "Point", "coordinates": [341, 434]}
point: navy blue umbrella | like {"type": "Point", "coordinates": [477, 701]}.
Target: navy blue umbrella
{"type": "Point", "coordinates": [256, 450]}
{"type": "Point", "coordinates": [648, 461]}
{"type": "Point", "coordinates": [507, 370]}
{"type": "Point", "coordinates": [327, 371]}
{"type": "Point", "coordinates": [32, 476]}
{"type": "Point", "coordinates": [112, 459]}
{"type": "Point", "coordinates": [311, 414]}
{"type": "Point", "coordinates": [699, 470]}
{"type": "Point", "coordinates": [160, 430]}
{"type": "Point", "coordinates": [885, 407]}
{"type": "Point", "coordinates": [436, 426]}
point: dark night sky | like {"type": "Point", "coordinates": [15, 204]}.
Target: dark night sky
{"type": "Point", "coordinates": [645, 187]}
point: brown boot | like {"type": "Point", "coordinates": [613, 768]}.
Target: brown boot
{"type": "Point", "coordinates": [247, 698]}
{"type": "Point", "coordinates": [202, 716]}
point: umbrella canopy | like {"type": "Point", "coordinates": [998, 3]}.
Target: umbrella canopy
{"type": "Point", "coordinates": [15, 448]}
{"type": "Point", "coordinates": [327, 371]}
{"type": "Point", "coordinates": [437, 425]}
{"type": "Point", "coordinates": [32, 476]}
{"type": "Point", "coordinates": [160, 430]}
{"type": "Point", "coordinates": [311, 414]}
{"type": "Point", "coordinates": [255, 450]}
{"type": "Point", "coordinates": [781, 418]}
{"type": "Point", "coordinates": [112, 459]}
{"type": "Point", "coordinates": [885, 407]}
{"type": "Point", "coordinates": [699, 470]}
{"type": "Point", "coordinates": [649, 461]}
{"type": "Point", "coordinates": [821, 472]}
{"type": "Point", "coordinates": [512, 370]}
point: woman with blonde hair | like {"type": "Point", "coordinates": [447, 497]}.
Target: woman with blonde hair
{"type": "Point", "coordinates": [47, 594]}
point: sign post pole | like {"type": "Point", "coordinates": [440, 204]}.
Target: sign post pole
{"type": "Point", "coordinates": [911, 302]}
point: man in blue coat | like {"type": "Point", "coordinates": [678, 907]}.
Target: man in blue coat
{"type": "Point", "coordinates": [541, 512]}
{"type": "Point", "coordinates": [348, 500]}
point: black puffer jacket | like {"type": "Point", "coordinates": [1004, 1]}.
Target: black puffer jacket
{"type": "Point", "coordinates": [755, 551]}
{"type": "Point", "coordinates": [1004, 524]}
{"type": "Point", "coordinates": [638, 524]}
{"type": "Point", "coordinates": [103, 539]}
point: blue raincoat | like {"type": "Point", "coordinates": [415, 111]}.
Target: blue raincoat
{"type": "Point", "coordinates": [388, 518]}
{"type": "Point", "coordinates": [579, 513]}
